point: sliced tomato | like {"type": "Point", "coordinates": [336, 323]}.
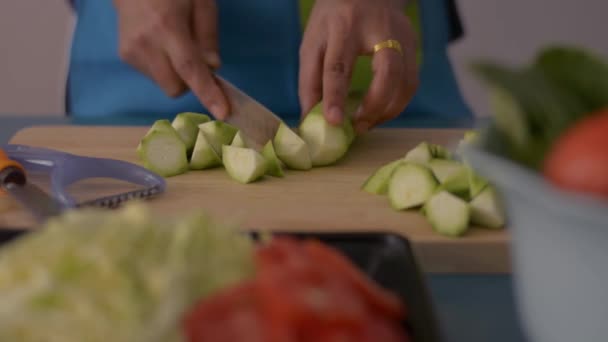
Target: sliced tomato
{"type": "Point", "coordinates": [277, 251]}
{"type": "Point", "coordinates": [301, 292]}
{"type": "Point", "coordinates": [331, 334]}
{"type": "Point", "coordinates": [381, 299]}
{"type": "Point", "coordinates": [307, 296]}
{"type": "Point", "coordinates": [228, 316]}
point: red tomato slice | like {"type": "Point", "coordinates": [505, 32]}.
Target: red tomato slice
{"type": "Point", "coordinates": [277, 251]}
{"type": "Point", "coordinates": [229, 316]}
{"type": "Point", "coordinates": [307, 296]}
{"type": "Point", "coordinates": [331, 334]}
{"type": "Point", "coordinates": [381, 299]}
{"type": "Point", "coordinates": [301, 292]}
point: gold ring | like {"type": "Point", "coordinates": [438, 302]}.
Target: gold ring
{"type": "Point", "coordinates": [391, 44]}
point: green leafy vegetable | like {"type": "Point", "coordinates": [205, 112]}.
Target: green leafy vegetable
{"type": "Point", "coordinates": [125, 276]}
{"type": "Point", "coordinates": [530, 110]}
{"type": "Point", "coordinates": [580, 71]}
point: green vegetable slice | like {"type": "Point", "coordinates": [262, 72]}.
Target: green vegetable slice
{"type": "Point", "coordinates": [291, 149]}
{"type": "Point", "coordinates": [439, 152]}
{"type": "Point", "coordinates": [448, 214]}
{"type": "Point", "coordinates": [204, 156]}
{"type": "Point", "coordinates": [377, 183]}
{"type": "Point", "coordinates": [162, 150]}
{"type": "Point", "coordinates": [244, 165]}
{"type": "Point", "coordinates": [186, 124]}
{"type": "Point", "coordinates": [238, 140]}
{"type": "Point", "coordinates": [476, 182]}
{"type": "Point", "coordinates": [327, 143]}
{"type": "Point", "coordinates": [487, 210]}
{"type": "Point", "coordinates": [422, 154]}
{"type": "Point", "coordinates": [410, 186]}
{"type": "Point", "coordinates": [444, 168]}
{"type": "Point", "coordinates": [218, 133]}
{"type": "Point", "coordinates": [274, 165]}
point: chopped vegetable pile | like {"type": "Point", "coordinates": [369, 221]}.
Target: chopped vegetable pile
{"type": "Point", "coordinates": [447, 191]}
{"type": "Point", "coordinates": [192, 141]}
{"type": "Point", "coordinates": [451, 195]}
{"type": "Point", "coordinates": [129, 275]}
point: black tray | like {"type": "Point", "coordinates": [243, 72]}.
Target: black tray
{"type": "Point", "coordinates": [386, 258]}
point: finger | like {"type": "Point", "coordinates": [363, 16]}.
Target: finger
{"type": "Point", "coordinates": [387, 67]}
{"type": "Point", "coordinates": [205, 31]}
{"type": "Point", "coordinates": [405, 91]}
{"type": "Point", "coordinates": [190, 66]}
{"type": "Point", "coordinates": [311, 70]}
{"type": "Point", "coordinates": [159, 68]}
{"type": "Point", "coordinates": [153, 63]}
{"type": "Point", "coordinates": [337, 70]}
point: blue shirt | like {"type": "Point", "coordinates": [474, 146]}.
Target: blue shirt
{"type": "Point", "coordinates": [259, 42]}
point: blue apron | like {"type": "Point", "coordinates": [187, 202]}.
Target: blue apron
{"type": "Point", "coordinates": [259, 42]}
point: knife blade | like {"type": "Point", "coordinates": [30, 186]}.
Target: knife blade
{"type": "Point", "coordinates": [257, 124]}
{"type": "Point", "coordinates": [14, 181]}
{"type": "Point", "coordinates": [34, 199]}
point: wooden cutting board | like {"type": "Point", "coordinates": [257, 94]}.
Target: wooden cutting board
{"type": "Point", "coordinates": [325, 199]}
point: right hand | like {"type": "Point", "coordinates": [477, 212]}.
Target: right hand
{"type": "Point", "coordinates": [174, 42]}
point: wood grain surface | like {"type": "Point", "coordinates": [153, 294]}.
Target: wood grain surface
{"type": "Point", "coordinates": [327, 199]}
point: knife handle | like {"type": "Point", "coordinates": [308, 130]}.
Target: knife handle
{"type": "Point", "coordinates": [10, 171]}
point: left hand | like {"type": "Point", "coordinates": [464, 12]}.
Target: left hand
{"type": "Point", "coordinates": [339, 31]}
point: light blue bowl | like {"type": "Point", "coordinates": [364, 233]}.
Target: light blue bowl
{"type": "Point", "coordinates": [559, 251]}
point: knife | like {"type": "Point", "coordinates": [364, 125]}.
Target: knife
{"type": "Point", "coordinates": [13, 180]}
{"type": "Point", "coordinates": [257, 124]}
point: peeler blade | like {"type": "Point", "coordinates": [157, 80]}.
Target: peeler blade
{"type": "Point", "coordinates": [114, 201]}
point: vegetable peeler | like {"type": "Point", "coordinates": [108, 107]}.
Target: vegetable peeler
{"type": "Point", "coordinates": [64, 170]}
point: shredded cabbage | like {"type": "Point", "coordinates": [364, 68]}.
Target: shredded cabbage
{"type": "Point", "coordinates": [123, 275]}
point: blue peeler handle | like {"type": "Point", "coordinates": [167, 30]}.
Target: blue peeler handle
{"type": "Point", "coordinates": [66, 169]}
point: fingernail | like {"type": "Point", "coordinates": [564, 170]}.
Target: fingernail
{"type": "Point", "coordinates": [212, 59]}
{"type": "Point", "coordinates": [335, 115]}
{"type": "Point", "coordinates": [217, 112]}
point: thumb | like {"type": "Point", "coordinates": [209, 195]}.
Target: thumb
{"type": "Point", "coordinates": [205, 31]}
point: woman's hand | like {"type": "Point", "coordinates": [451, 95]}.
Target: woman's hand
{"type": "Point", "coordinates": [174, 42]}
{"type": "Point", "coordinates": [339, 31]}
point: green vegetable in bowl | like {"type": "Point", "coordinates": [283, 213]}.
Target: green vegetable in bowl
{"type": "Point", "coordinates": [580, 71]}
{"type": "Point", "coordinates": [530, 110]}
{"type": "Point", "coordinates": [534, 104]}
